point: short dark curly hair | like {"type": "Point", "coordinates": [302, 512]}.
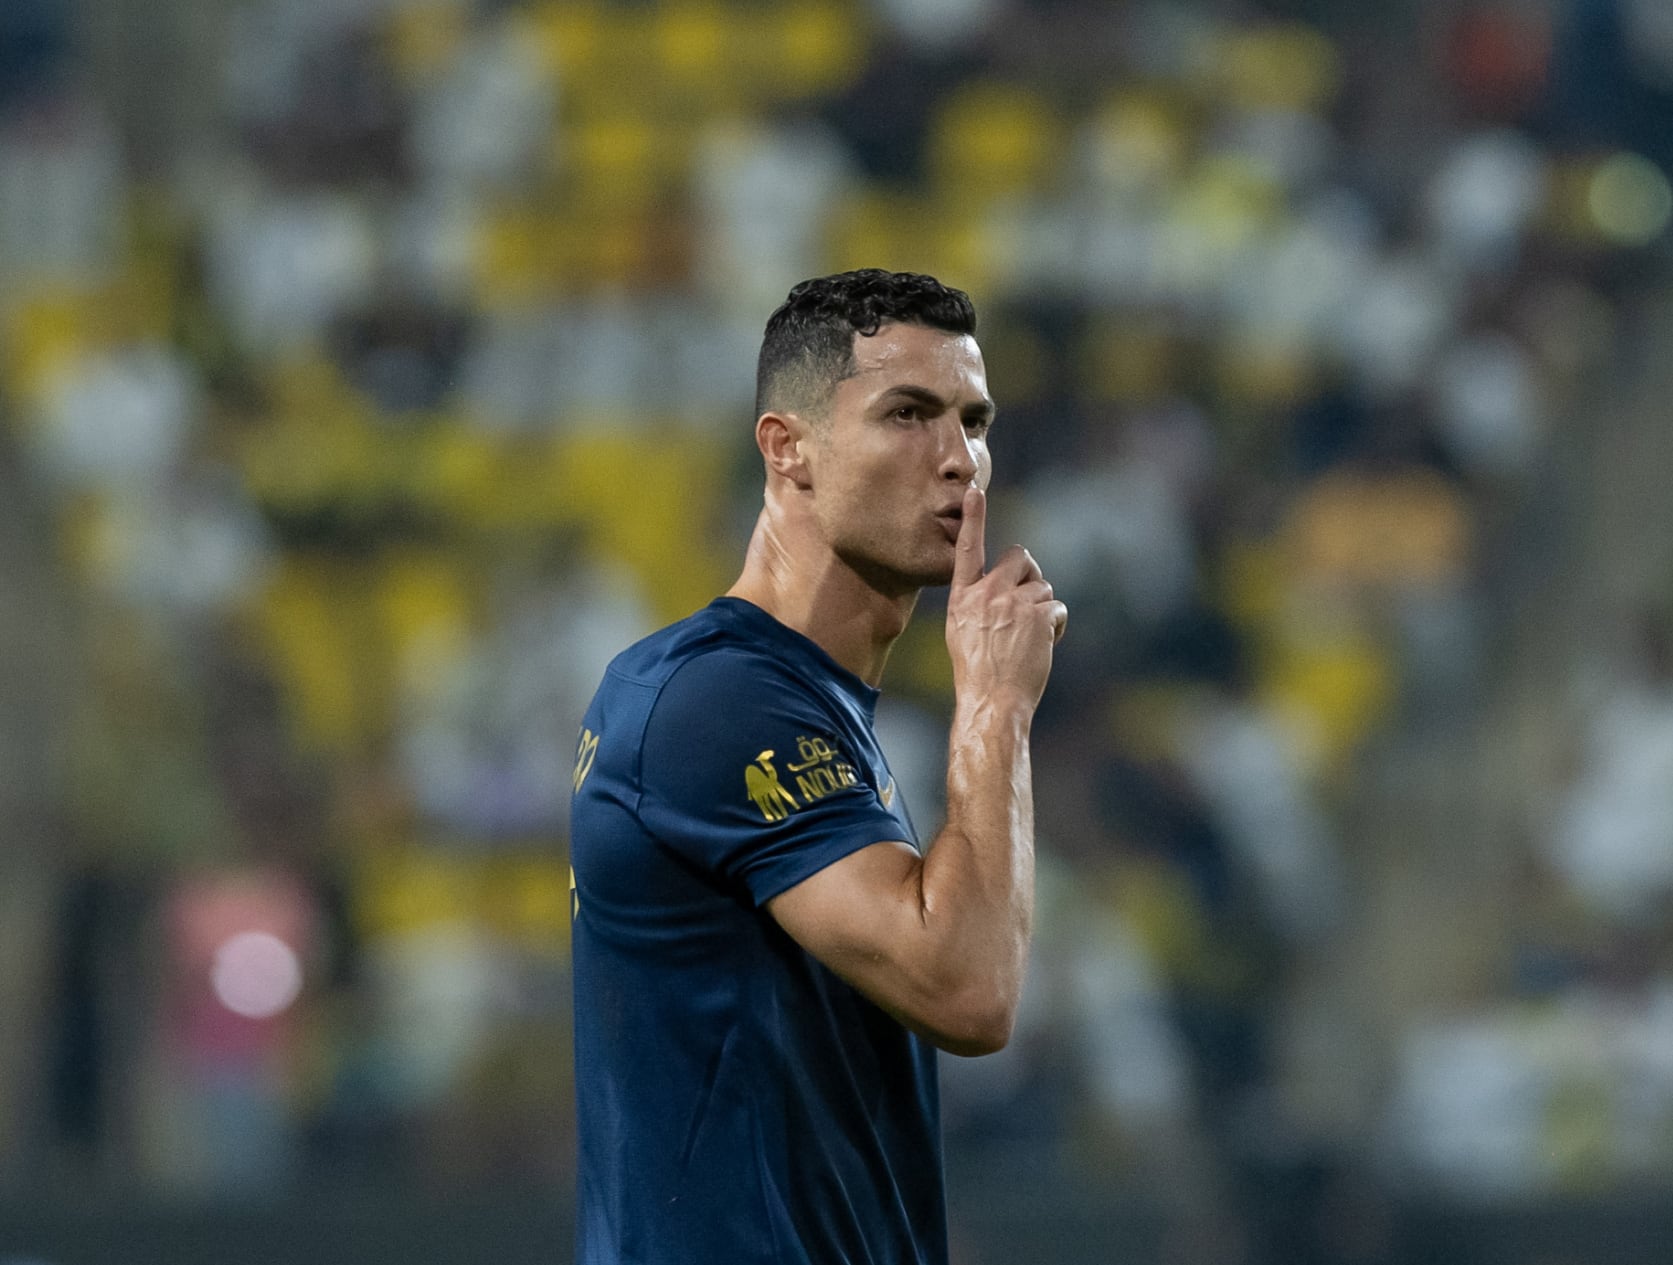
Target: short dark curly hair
{"type": "Point", "coordinates": [808, 346]}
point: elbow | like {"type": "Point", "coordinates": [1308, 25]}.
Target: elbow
{"type": "Point", "coordinates": [972, 1011]}
{"type": "Point", "coordinates": [980, 1026]}
{"type": "Point", "coordinates": [975, 1047]}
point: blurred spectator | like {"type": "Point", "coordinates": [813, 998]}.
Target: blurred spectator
{"type": "Point", "coordinates": [1110, 514]}
{"type": "Point", "coordinates": [120, 420]}
{"type": "Point", "coordinates": [60, 193]}
{"type": "Point", "coordinates": [481, 124]}
{"type": "Point", "coordinates": [489, 744]}
{"type": "Point", "coordinates": [284, 265]}
{"type": "Point", "coordinates": [1613, 836]}
{"type": "Point", "coordinates": [241, 945]}
{"type": "Point", "coordinates": [765, 191]}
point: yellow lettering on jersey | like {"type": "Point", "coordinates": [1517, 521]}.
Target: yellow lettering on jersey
{"type": "Point", "coordinates": [819, 770]}
{"type": "Point", "coordinates": [812, 751]}
{"type": "Point", "coordinates": [586, 751]}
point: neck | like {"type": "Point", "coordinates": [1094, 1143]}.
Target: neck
{"type": "Point", "coordinates": [805, 586]}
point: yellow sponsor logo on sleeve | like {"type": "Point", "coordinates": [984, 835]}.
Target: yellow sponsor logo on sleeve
{"type": "Point", "coordinates": [767, 792]}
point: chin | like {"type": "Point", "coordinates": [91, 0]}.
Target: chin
{"type": "Point", "coordinates": [927, 576]}
{"type": "Point", "coordinates": [897, 576]}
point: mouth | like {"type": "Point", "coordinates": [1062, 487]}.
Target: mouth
{"type": "Point", "coordinates": [951, 520]}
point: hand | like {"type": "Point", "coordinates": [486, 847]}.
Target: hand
{"type": "Point", "coordinates": [1003, 623]}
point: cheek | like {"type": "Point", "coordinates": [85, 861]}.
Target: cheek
{"type": "Point", "coordinates": [984, 467]}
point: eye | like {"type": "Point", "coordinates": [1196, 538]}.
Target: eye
{"type": "Point", "coordinates": [907, 413]}
{"type": "Point", "coordinates": [978, 423]}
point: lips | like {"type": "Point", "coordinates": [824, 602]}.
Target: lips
{"type": "Point", "coordinates": [951, 520]}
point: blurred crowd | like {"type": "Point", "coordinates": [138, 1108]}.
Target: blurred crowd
{"type": "Point", "coordinates": [379, 368]}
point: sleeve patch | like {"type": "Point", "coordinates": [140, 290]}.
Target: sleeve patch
{"type": "Point", "coordinates": [818, 770]}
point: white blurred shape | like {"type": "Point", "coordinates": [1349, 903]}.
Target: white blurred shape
{"type": "Point", "coordinates": [439, 990]}
{"type": "Point", "coordinates": [284, 265]}
{"type": "Point", "coordinates": [1467, 1111]}
{"type": "Point", "coordinates": [1480, 201]}
{"type": "Point", "coordinates": [1136, 1064]}
{"type": "Point", "coordinates": [1487, 402]}
{"type": "Point", "coordinates": [118, 419]}
{"type": "Point", "coordinates": [1404, 310]}
{"type": "Point", "coordinates": [487, 119]}
{"type": "Point", "coordinates": [1613, 839]}
{"type": "Point", "coordinates": [256, 974]}
{"type": "Point", "coordinates": [60, 196]}
{"type": "Point", "coordinates": [764, 193]}
{"type": "Point", "coordinates": [1116, 522]}
{"type": "Point", "coordinates": [189, 547]}
{"type": "Point", "coordinates": [1239, 759]}
{"type": "Point", "coordinates": [432, 243]}
{"type": "Point", "coordinates": [1292, 146]}
{"type": "Point", "coordinates": [938, 26]}
{"type": "Point", "coordinates": [1295, 287]}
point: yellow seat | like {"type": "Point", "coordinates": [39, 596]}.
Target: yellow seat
{"type": "Point", "coordinates": [818, 47]}
{"type": "Point", "coordinates": [691, 41]}
{"type": "Point", "coordinates": [647, 500]}
{"type": "Point", "coordinates": [994, 139]}
{"type": "Point", "coordinates": [623, 158]}
{"type": "Point", "coordinates": [875, 228]}
{"type": "Point", "coordinates": [1265, 372]}
{"type": "Point", "coordinates": [455, 471]}
{"type": "Point", "coordinates": [1128, 361]}
{"type": "Point", "coordinates": [1281, 66]}
{"type": "Point", "coordinates": [1332, 689]}
{"type": "Point", "coordinates": [321, 446]}
{"type": "Point", "coordinates": [568, 34]}
{"type": "Point", "coordinates": [410, 891]}
{"type": "Point", "coordinates": [425, 606]}
{"type": "Point", "coordinates": [1140, 139]}
{"type": "Point", "coordinates": [313, 624]}
{"type": "Point", "coordinates": [515, 256]}
{"type": "Point", "coordinates": [422, 39]}
{"type": "Point", "coordinates": [525, 899]}
{"type": "Point", "coordinates": [48, 329]}
{"type": "Point", "coordinates": [604, 54]}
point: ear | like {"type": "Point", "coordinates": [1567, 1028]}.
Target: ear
{"type": "Point", "coordinates": [783, 441]}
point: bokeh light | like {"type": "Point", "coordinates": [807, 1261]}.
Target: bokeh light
{"type": "Point", "coordinates": [256, 974]}
{"type": "Point", "coordinates": [1629, 199]}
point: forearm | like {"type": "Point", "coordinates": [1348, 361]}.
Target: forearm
{"type": "Point", "coordinates": [940, 940]}
{"type": "Point", "coordinates": [977, 881]}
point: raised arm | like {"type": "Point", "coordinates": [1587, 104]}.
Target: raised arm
{"type": "Point", "coordinates": [941, 941]}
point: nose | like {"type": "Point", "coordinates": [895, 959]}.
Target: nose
{"type": "Point", "coordinates": [959, 458]}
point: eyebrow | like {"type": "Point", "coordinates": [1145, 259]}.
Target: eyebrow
{"type": "Point", "coordinates": [983, 410]}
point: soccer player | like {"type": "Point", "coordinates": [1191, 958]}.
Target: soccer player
{"type": "Point", "coordinates": [765, 955]}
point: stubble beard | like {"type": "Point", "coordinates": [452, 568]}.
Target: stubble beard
{"type": "Point", "coordinates": [893, 576]}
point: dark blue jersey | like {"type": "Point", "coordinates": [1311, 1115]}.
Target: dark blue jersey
{"type": "Point", "coordinates": [737, 1102]}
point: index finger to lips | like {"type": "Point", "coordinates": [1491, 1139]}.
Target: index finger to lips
{"type": "Point", "coordinates": [970, 557]}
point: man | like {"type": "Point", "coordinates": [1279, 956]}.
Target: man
{"type": "Point", "coordinates": [764, 958]}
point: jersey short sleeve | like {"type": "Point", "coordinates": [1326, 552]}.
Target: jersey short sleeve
{"type": "Point", "coordinates": [749, 774]}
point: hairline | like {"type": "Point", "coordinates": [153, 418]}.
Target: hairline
{"type": "Point", "coordinates": [819, 414]}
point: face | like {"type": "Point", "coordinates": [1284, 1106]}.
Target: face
{"type": "Point", "coordinates": [905, 435]}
